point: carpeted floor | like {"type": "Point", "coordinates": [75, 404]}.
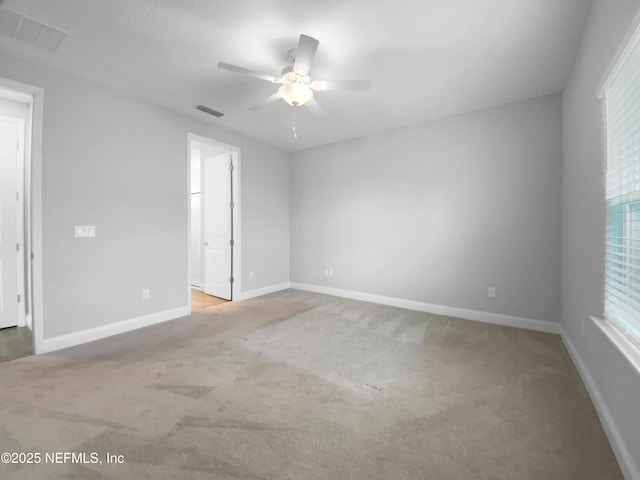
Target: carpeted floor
{"type": "Point", "coordinates": [297, 385]}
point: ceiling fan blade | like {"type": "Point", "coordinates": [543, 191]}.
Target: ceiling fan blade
{"type": "Point", "coordinates": [246, 71]}
{"type": "Point", "coordinates": [323, 85]}
{"type": "Point", "coordinates": [267, 101]}
{"type": "Point", "coordinates": [315, 108]}
{"type": "Point", "coordinates": [305, 52]}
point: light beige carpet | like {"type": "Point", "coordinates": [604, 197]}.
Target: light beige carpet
{"type": "Point", "coordinates": [297, 385]}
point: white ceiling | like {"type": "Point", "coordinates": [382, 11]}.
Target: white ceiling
{"type": "Point", "coordinates": [426, 58]}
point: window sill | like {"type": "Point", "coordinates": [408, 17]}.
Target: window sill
{"type": "Point", "coordinates": [628, 350]}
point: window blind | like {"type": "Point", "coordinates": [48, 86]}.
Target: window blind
{"type": "Point", "coordinates": [622, 257]}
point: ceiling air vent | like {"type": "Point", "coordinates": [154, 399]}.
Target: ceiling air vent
{"type": "Point", "coordinates": [31, 31]}
{"type": "Point", "coordinates": [210, 111]}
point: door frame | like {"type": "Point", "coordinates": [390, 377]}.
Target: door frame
{"type": "Point", "coordinates": [236, 215]}
{"type": "Point", "coordinates": [32, 246]}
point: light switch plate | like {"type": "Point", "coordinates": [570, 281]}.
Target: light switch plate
{"type": "Point", "coordinates": [85, 231]}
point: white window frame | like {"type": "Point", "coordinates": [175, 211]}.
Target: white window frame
{"type": "Point", "coordinates": [628, 51]}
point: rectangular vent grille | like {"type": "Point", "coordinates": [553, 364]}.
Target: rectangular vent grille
{"type": "Point", "coordinates": [210, 111]}
{"type": "Point", "coordinates": [31, 31]}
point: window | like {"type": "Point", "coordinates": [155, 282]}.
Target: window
{"type": "Point", "coordinates": [622, 259]}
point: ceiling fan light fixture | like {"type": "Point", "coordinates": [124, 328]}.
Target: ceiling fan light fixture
{"type": "Point", "coordinates": [295, 93]}
{"type": "Point", "coordinates": [296, 87]}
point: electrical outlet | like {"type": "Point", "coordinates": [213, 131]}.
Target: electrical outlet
{"type": "Point", "coordinates": [85, 231]}
{"type": "Point", "coordinates": [491, 293]}
{"type": "Point", "coordinates": [250, 275]}
{"type": "Point", "coordinates": [330, 272]}
{"type": "Point", "coordinates": [146, 294]}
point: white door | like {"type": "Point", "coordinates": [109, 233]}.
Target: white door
{"type": "Point", "coordinates": [216, 225]}
{"type": "Point", "coordinates": [8, 223]}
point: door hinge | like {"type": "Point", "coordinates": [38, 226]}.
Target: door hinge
{"type": "Point", "coordinates": [17, 196]}
{"type": "Point", "coordinates": [231, 205]}
{"type": "Point", "coordinates": [231, 166]}
{"type": "Point", "coordinates": [18, 298]}
{"type": "Point", "coordinates": [230, 279]}
{"type": "Point", "coordinates": [231, 242]}
{"type": "Point", "coordinates": [17, 247]}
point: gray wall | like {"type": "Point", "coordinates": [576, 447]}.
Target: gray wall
{"type": "Point", "coordinates": [120, 164]}
{"type": "Point", "coordinates": [438, 212]}
{"type": "Point", "coordinates": [584, 218]}
{"type": "Point", "coordinates": [267, 182]}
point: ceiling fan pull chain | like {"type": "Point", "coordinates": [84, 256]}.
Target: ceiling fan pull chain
{"type": "Point", "coordinates": [293, 127]}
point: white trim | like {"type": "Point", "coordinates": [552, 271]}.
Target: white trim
{"type": "Point", "coordinates": [258, 292]}
{"type": "Point", "coordinates": [622, 46]}
{"type": "Point", "coordinates": [625, 460]}
{"type": "Point", "coordinates": [237, 222]}
{"type": "Point", "coordinates": [110, 329]}
{"type": "Point", "coordinates": [35, 170]}
{"type": "Point", "coordinates": [189, 302]}
{"type": "Point", "coordinates": [14, 95]}
{"type": "Point", "coordinates": [627, 348]}
{"type": "Point", "coordinates": [466, 314]}
{"type": "Point", "coordinates": [37, 301]}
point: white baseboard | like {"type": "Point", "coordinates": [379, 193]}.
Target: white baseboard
{"type": "Point", "coordinates": [475, 315]}
{"type": "Point", "coordinates": [625, 460]}
{"type": "Point", "coordinates": [103, 331]}
{"type": "Point", "coordinates": [258, 292]}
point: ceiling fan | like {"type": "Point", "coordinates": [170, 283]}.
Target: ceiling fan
{"type": "Point", "coordinates": [296, 85]}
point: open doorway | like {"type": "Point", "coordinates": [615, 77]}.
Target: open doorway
{"type": "Point", "coordinates": [16, 246]}
{"type": "Point", "coordinates": [214, 226]}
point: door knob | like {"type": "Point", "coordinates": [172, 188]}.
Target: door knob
{"type": "Point", "coordinates": [206, 244]}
